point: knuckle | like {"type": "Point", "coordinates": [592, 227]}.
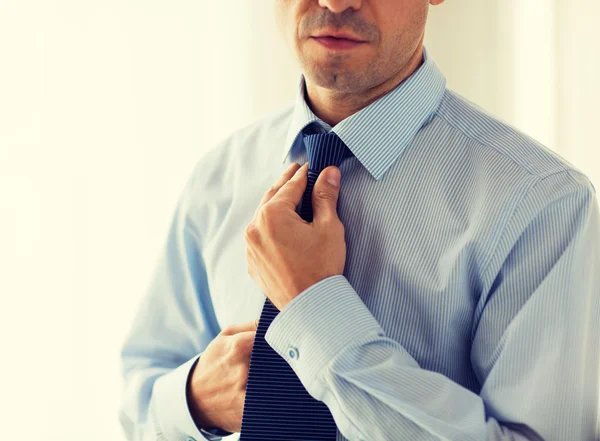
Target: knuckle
{"type": "Point", "coordinates": [251, 233]}
{"type": "Point", "coordinates": [228, 330]}
{"type": "Point", "coordinates": [268, 216]}
{"type": "Point", "coordinates": [262, 214]}
{"type": "Point", "coordinates": [334, 224]}
{"type": "Point", "coordinates": [268, 210]}
{"type": "Point", "coordinates": [334, 228]}
{"type": "Point", "coordinates": [237, 345]}
{"type": "Point", "coordinates": [323, 194]}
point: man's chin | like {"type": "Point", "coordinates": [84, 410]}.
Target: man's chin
{"type": "Point", "coordinates": [340, 80]}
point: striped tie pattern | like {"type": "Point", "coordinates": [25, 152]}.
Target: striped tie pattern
{"type": "Point", "coordinates": [277, 406]}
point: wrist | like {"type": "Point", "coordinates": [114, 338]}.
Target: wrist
{"type": "Point", "coordinates": [200, 418]}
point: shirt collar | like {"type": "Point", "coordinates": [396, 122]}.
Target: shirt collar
{"type": "Point", "coordinates": [378, 133]}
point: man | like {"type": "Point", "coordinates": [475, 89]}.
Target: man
{"type": "Point", "coordinates": [440, 281]}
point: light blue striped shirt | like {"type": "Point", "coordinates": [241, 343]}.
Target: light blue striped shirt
{"type": "Point", "coordinates": [469, 307]}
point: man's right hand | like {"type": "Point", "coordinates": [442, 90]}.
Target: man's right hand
{"type": "Point", "coordinates": [217, 386]}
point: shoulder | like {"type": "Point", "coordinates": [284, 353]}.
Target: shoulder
{"type": "Point", "coordinates": [500, 139]}
{"type": "Point", "coordinates": [221, 160]}
{"type": "Point", "coordinates": [519, 177]}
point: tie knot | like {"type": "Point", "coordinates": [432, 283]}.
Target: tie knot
{"type": "Point", "coordinates": [324, 149]}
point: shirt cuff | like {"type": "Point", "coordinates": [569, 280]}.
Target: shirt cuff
{"type": "Point", "coordinates": [317, 325]}
{"type": "Point", "coordinates": [171, 406]}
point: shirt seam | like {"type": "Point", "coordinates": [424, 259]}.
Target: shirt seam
{"type": "Point", "coordinates": [583, 175]}
{"type": "Point", "coordinates": [519, 201]}
{"type": "Point", "coordinates": [517, 206]}
{"type": "Point", "coordinates": [489, 146]}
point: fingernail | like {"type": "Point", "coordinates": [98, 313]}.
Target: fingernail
{"type": "Point", "coordinates": [333, 177]}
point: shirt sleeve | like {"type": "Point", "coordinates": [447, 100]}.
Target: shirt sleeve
{"type": "Point", "coordinates": [174, 324]}
{"type": "Point", "coordinates": [534, 347]}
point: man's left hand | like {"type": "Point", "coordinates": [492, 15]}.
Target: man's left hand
{"type": "Point", "coordinates": [285, 253]}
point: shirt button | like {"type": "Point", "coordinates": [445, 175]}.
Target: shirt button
{"type": "Point", "coordinates": [293, 352]}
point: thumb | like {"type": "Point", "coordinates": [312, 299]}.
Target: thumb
{"type": "Point", "coordinates": [325, 193]}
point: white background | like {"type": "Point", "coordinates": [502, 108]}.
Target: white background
{"type": "Point", "coordinates": [106, 106]}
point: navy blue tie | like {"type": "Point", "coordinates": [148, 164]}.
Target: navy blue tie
{"type": "Point", "coordinates": [277, 406]}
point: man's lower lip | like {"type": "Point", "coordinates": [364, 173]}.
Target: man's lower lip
{"type": "Point", "coordinates": [337, 43]}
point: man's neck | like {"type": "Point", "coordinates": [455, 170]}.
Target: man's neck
{"type": "Point", "coordinates": [333, 107]}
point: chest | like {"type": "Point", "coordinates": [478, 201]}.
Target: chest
{"type": "Point", "coordinates": [410, 258]}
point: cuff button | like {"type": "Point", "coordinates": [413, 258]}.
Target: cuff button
{"type": "Point", "coordinates": [293, 352]}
